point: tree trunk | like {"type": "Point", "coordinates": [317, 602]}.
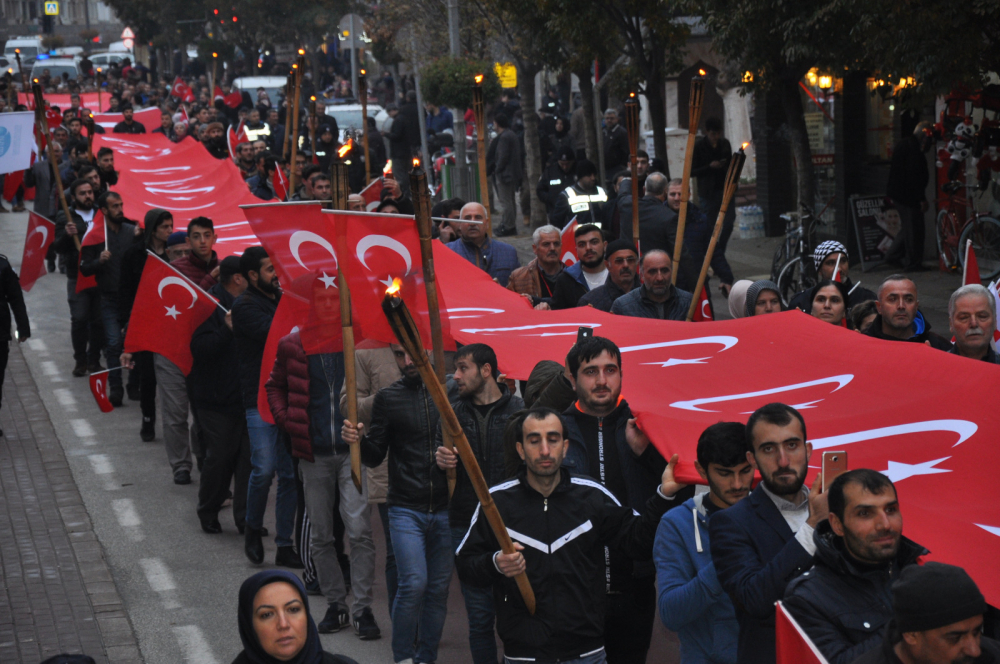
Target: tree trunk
{"type": "Point", "coordinates": [532, 149]}
{"type": "Point", "coordinates": [589, 124]}
{"type": "Point", "coordinates": [656, 98]}
{"type": "Point", "coordinates": [791, 102]}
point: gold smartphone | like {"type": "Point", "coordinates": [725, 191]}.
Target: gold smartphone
{"type": "Point", "coordinates": [834, 463]}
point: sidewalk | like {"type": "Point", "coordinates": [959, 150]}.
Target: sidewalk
{"type": "Point", "coordinates": [56, 592]}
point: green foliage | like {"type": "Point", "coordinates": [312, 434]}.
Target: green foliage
{"type": "Point", "coordinates": [50, 42]}
{"type": "Point", "coordinates": [448, 82]}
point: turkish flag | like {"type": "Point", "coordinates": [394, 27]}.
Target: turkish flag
{"type": "Point", "coordinates": [299, 241]}
{"type": "Point", "coordinates": [94, 235]}
{"type": "Point", "coordinates": [168, 309]}
{"type": "Point", "coordinates": [236, 137]}
{"type": "Point", "coordinates": [372, 194]}
{"type": "Point", "coordinates": [793, 645]}
{"type": "Point", "coordinates": [182, 90]}
{"type": "Point", "coordinates": [218, 94]}
{"type": "Point", "coordinates": [280, 183]}
{"type": "Point", "coordinates": [13, 181]}
{"type": "Point", "coordinates": [53, 118]}
{"type": "Point", "coordinates": [703, 311]}
{"type": "Point", "coordinates": [233, 99]}
{"type": "Point", "coordinates": [99, 388]}
{"type": "Point", "coordinates": [374, 249]}
{"type": "Point", "coordinates": [569, 243]}
{"type": "Point", "coordinates": [970, 275]}
{"type": "Point", "coordinates": [33, 259]}
{"type": "Point", "coordinates": [147, 117]}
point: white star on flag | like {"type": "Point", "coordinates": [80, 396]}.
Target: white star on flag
{"type": "Point", "coordinates": [387, 282]}
{"type": "Point", "coordinates": [901, 471]}
{"type": "Point", "coordinates": [673, 362]}
{"type": "Point", "coordinates": [172, 312]}
{"type": "Point", "coordinates": [328, 281]}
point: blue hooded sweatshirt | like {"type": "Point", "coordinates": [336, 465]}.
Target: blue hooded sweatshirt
{"type": "Point", "coordinates": [691, 601]}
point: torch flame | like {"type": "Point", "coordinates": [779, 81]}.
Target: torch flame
{"type": "Point", "coordinates": [302, 51]}
{"type": "Point", "coordinates": [387, 169]}
{"type": "Point", "coordinates": [363, 72]}
{"type": "Point", "coordinates": [702, 72]}
{"type": "Point", "coordinates": [632, 95]}
{"type": "Point", "coordinates": [312, 98]}
{"type": "Point", "coordinates": [397, 284]}
{"type": "Point", "coordinates": [479, 78]}
{"type": "Point", "coordinates": [416, 162]}
{"type": "Point", "coordinates": [744, 146]}
{"type": "Point", "coordinates": [345, 148]}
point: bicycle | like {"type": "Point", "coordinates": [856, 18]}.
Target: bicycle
{"type": "Point", "coordinates": [955, 227]}
{"type": "Point", "coordinates": [792, 267]}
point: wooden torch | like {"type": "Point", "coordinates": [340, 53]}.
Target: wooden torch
{"type": "Point", "coordinates": [89, 122]}
{"type": "Point", "coordinates": [695, 99]}
{"type": "Point", "coordinates": [43, 128]}
{"type": "Point", "coordinates": [479, 113]}
{"type": "Point", "coordinates": [422, 213]}
{"type": "Point", "coordinates": [313, 126]}
{"type": "Point", "coordinates": [409, 338]}
{"type": "Point", "coordinates": [632, 124]}
{"type": "Point", "coordinates": [20, 69]}
{"type": "Point", "coordinates": [294, 108]}
{"type": "Point", "coordinates": [732, 182]}
{"type": "Point", "coordinates": [340, 189]}
{"type": "Point", "coordinates": [289, 91]}
{"type": "Point", "coordinates": [363, 91]}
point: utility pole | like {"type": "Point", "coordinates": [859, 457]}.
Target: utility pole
{"type": "Point", "coordinates": [461, 188]}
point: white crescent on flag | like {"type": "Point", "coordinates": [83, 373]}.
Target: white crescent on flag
{"type": "Point", "coordinates": [300, 237]}
{"type": "Point", "coordinates": [168, 281]}
{"type": "Point", "coordinates": [389, 243]}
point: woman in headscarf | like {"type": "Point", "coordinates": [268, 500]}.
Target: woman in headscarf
{"type": "Point", "coordinates": [762, 298]}
{"type": "Point", "coordinates": [738, 298]}
{"type": "Point", "coordinates": [275, 625]}
{"type": "Point", "coordinates": [827, 301]}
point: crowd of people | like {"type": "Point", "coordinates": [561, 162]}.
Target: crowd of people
{"type": "Point", "coordinates": [603, 530]}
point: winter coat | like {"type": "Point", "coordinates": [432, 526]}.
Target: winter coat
{"type": "Point", "coordinates": [498, 259]}
{"type": "Point", "coordinates": [40, 177]}
{"type": "Point", "coordinates": [564, 537]}
{"type": "Point", "coordinates": [64, 243]}
{"type": "Point", "coordinates": [691, 600]}
{"type": "Point", "coordinates": [197, 270]}
{"type": "Point", "coordinates": [485, 436]}
{"type": "Point", "coordinates": [990, 653]}
{"type": "Point", "coordinates": [908, 174]}
{"type": "Point", "coordinates": [843, 608]}
{"type": "Point", "coordinates": [636, 303]}
{"type": "Point", "coordinates": [571, 285]}
{"type": "Point", "coordinates": [108, 273]}
{"type": "Point", "coordinates": [508, 159]}
{"type": "Point", "coordinates": [552, 183]}
{"type": "Point", "coordinates": [603, 297]}
{"type": "Point", "coordinates": [587, 205]}
{"type": "Point", "coordinates": [658, 230]}
{"type": "Point", "coordinates": [11, 299]}
{"type": "Point", "coordinates": [527, 280]}
{"type": "Point", "coordinates": [212, 384]}
{"type": "Point", "coordinates": [922, 333]}
{"type": "Point", "coordinates": [253, 312]}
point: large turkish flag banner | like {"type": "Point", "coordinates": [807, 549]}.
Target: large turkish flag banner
{"type": "Point", "coordinates": [168, 309]}
{"type": "Point", "coordinates": [33, 259]}
{"type": "Point", "coordinates": [375, 249]}
{"type": "Point", "coordinates": [926, 419]}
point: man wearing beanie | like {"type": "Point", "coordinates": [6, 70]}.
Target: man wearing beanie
{"type": "Point", "coordinates": [622, 260]}
{"type": "Point", "coordinates": [844, 602]}
{"type": "Point", "coordinates": [937, 619]}
{"type": "Point", "coordinates": [584, 200]}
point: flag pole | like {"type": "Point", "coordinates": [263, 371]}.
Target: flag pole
{"type": "Point", "coordinates": [732, 182]}
{"type": "Point", "coordinates": [422, 214]}
{"type": "Point", "coordinates": [363, 89]}
{"type": "Point", "coordinates": [406, 332]}
{"type": "Point", "coordinates": [632, 123]}
{"type": "Point", "coordinates": [181, 275]}
{"type": "Point", "coordinates": [341, 189]}
{"type": "Point", "coordinates": [479, 116]}
{"type": "Point", "coordinates": [313, 122]}
{"type": "Point", "coordinates": [695, 99]}
{"type": "Point", "coordinates": [43, 128]}
{"type": "Point", "coordinates": [297, 74]}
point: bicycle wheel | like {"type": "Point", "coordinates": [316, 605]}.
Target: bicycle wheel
{"type": "Point", "coordinates": [985, 235]}
{"type": "Point", "coordinates": [946, 230]}
{"type": "Point", "coordinates": [791, 280]}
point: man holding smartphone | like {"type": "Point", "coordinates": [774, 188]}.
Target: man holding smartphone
{"type": "Point", "coordinates": [762, 543]}
{"type": "Point", "coordinates": [844, 602]}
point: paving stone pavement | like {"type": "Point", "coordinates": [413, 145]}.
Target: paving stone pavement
{"type": "Point", "coordinates": [56, 591]}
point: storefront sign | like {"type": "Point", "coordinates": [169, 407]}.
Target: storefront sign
{"type": "Point", "coordinates": [875, 226]}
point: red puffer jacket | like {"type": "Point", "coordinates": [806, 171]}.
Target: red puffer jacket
{"type": "Point", "coordinates": [288, 394]}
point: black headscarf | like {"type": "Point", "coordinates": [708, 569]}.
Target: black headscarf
{"type": "Point", "coordinates": [841, 286]}
{"type": "Point", "coordinates": [253, 653]}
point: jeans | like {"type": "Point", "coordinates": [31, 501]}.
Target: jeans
{"type": "Point", "coordinates": [507, 193]}
{"type": "Point", "coordinates": [112, 337]}
{"type": "Point", "coordinates": [481, 612]}
{"type": "Point", "coordinates": [424, 560]}
{"type": "Point", "coordinates": [85, 323]}
{"type": "Point", "coordinates": [593, 658]}
{"type": "Point", "coordinates": [323, 479]}
{"type": "Point", "coordinates": [174, 407]}
{"type": "Point", "coordinates": [391, 575]}
{"type": "Point", "coordinates": [227, 446]}
{"type": "Point", "coordinates": [267, 457]}
{"type": "Point", "coordinates": [628, 622]}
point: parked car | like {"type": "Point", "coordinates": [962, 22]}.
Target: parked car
{"type": "Point", "coordinates": [348, 116]}
{"type": "Point", "coordinates": [29, 47]}
{"type": "Point", "coordinates": [57, 67]}
{"type": "Point", "coordinates": [271, 84]}
{"type": "Point", "coordinates": [105, 59]}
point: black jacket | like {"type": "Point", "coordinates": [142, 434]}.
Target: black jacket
{"type": "Point", "coordinates": [885, 655]}
{"type": "Point", "coordinates": [843, 608]}
{"type": "Point", "coordinates": [485, 436]}
{"type": "Point", "coordinates": [507, 168]}
{"type": "Point", "coordinates": [711, 181]}
{"type": "Point", "coordinates": [587, 205]}
{"type": "Point", "coordinates": [404, 135]}
{"type": "Point", "coordinates": [129, 128]}
{"type": "Point", "coordinates": [64, 243]}
{"type": "Point", "coordinates": [570, 286]}
{"type": "Point", "coordinates": [108, 273]}
{"type": "Point", "coordinates": [923, 333]}
{"type": "Point", "coordinates": [658, 230]}
{"type": "Point", "coordinates": [564, 537]}
{"type": "Point", "coordinates": [252, 315]}
{"type": "Point", "coordinates": [211, 383]}
{"type": "Point", "coordinates": [404, 419]}
{"type": "Point", "coordinates": [615, 149]}
{"type": "Point", "coordinates": [552, 183]}
{"type": "Point", "coordinates": [604, 296]}
{"type": "Point", "coordinates": [11, 299]}
{"type": "Point", "coordinates": [908, 173]}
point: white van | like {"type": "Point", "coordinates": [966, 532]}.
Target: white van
{"type": "Point", "coordinates": [271, 84]}
{"type": "Point", "coordinates": [29, 47]}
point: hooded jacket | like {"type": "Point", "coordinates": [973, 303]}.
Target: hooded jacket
{"type": "Point", "coordinates": [691, 600]}
{"type": "Point", "coordinates": [211, 385]}
{"type": "Point", "coordinates": [133, 263]}
{"type": "Point", "coordinates": [841, 606]}
{"type": "Point", "coordinates": [922, 333]}
{"type": "Point", "coordinates": [253, 312]}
